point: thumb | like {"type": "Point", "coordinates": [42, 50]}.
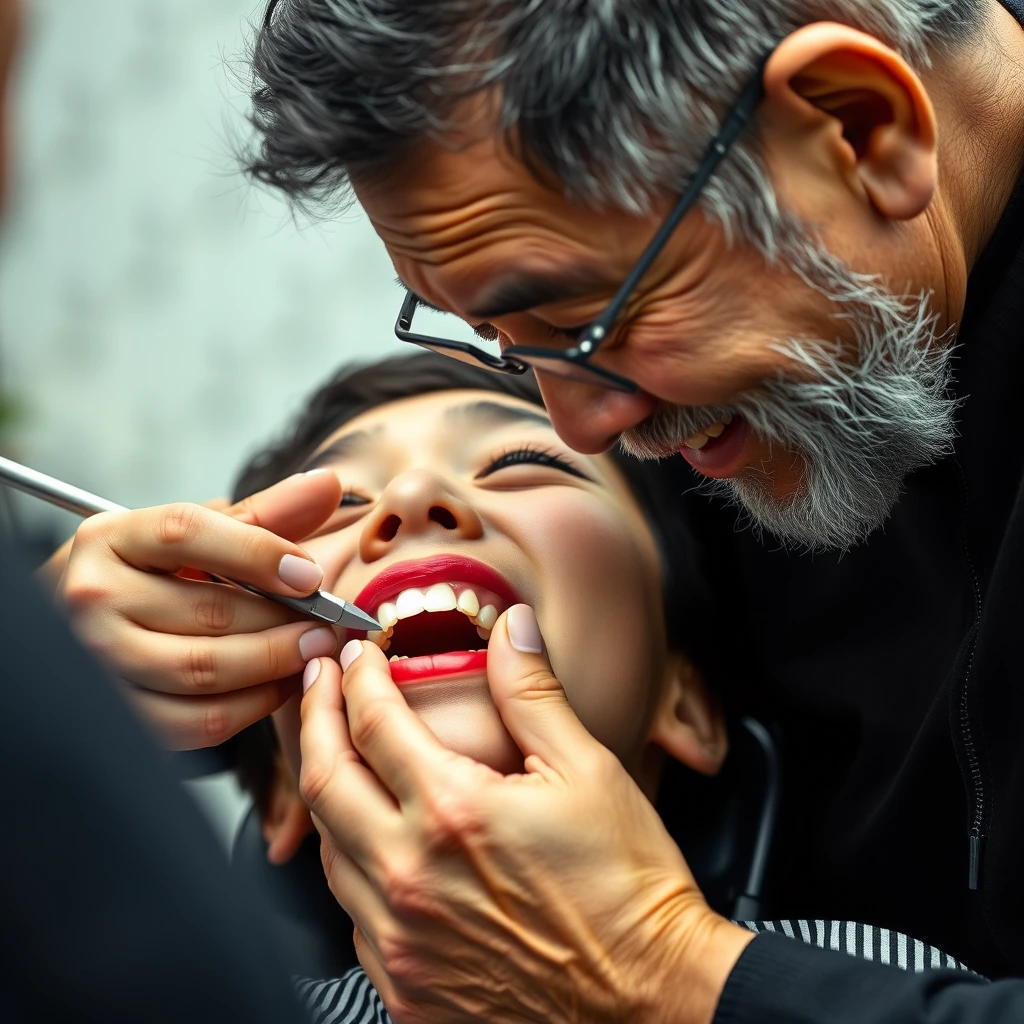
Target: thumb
{"type": "Point", "coordinates": [295, 507]}
{"type": "Point", "coordinates": [529, 698]}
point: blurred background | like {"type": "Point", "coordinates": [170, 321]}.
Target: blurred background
{"type": "Point", "coordinates": [158, 317]}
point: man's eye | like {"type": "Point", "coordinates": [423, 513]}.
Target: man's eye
{"type": "Point", "coordinates": [532, 456]}
{"type": "Point", "coordinates": [572, 333]}
{"type": "Point", "coordinates": [351, 498]}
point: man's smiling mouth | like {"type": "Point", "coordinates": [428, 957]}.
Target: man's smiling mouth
{"type": "Point", "coordinates": [437, 615]}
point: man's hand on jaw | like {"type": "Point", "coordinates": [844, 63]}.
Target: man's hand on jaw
{"type": "Point", "coordinates": [554, 895]}
{"type": "Point", "coordinates": [202, 661]}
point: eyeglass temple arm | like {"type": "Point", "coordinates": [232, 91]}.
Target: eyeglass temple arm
{"type": "Point", "coordinates": [736, 121]}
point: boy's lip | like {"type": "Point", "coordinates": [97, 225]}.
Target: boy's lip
{"type": "Point", "coordinates": [432, 667]}
{"type": "Point", "coordinates": [422, 572]}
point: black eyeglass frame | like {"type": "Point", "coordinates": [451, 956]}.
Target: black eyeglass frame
{"type": "Point", "coordinates": [518, 359]}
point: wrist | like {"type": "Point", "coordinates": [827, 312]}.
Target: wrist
{"type": "Point", "coordinates": [701, 960]}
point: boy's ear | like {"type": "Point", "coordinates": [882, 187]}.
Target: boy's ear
{"type": "Point", "coordinates": [688, 723]}
{"type": "Point", "coordinates": [286, 820]}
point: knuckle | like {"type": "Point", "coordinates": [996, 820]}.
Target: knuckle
{"type": "Point", "coordinates": [314, 777]}
{"type": "Point", "coordinates": [450, 816]}
{"type": "Point", "coordinates": [370, 723]}
{"type": "Point", "coordinates": [538, 684]}
{"type": "Point", "coordinates": [398, 958]}
{"type": "Point", "coordinates": [253, 549]}
{"type": "Point", "coordinates": [179, 523]}
{"type": "Point", "coordinates": [82, 591]}
{"type": "Point", "coordinates": [406, 884]}
{"type": "Point", "coordinates": [200, 668]}
{"type": "Point", "coordinates": [215, 609]}
{"type": "Point", "coordinates": [215, 726]}
{"type": "Point", "coordinates": [273, 658]}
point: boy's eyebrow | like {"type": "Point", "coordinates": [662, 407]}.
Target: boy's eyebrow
{"type": "Point", "coordinates": [339, 448]}
{"type": "Point", "coordinates": [496, 414]}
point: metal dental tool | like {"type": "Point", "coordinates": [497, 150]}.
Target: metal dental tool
{"type": "Point", "coordinates": [319, 605]}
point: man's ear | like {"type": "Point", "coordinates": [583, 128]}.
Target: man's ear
{"type": "Point", "coordinates": [831, 85]}
{"type": "Point", "coordinates": [286, 820]}
{"type": "Point", "coordinates": [688, 723]}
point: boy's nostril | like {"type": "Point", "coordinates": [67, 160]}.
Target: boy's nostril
{"type": "Point", "coordinates": [444, 517]}
{"type": "Point", "coordinates": [389, 528]}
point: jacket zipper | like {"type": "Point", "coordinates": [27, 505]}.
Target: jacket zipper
{"type": "Point", "coordinates": [974, 834]}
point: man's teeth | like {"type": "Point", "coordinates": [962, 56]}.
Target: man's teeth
{"type": "Point", "coordinates": [697, 441]}
{"type": "Point", "coordinates": [438, 598]}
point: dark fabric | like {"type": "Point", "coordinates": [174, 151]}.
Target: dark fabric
{"type": "Point", "coordinates": [116, 902]}
{"type": "Point", "coordinates": [778, 981]}
{"type": "Point", "coordinates": [895, 673]}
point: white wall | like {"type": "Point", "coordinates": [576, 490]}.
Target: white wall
{"type": "Point", "coordinates": [157, 317]}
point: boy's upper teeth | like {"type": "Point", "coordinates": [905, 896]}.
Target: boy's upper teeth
{"type": "Point", "coordinates": [697, 441]}
{"type": "Point", "coordinates": [441, 597]}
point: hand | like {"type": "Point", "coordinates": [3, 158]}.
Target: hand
{"type": "Point", "coordinates": [555, 895]}
{"type": "Point", "coordinates": [203, 660]}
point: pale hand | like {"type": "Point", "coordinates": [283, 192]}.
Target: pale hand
{"type": "Point", "coordinates": [555, 895]}
{"type": "Point", "coordinates": [200, 660]}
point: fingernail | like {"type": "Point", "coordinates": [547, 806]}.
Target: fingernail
{"type": "Point", "coordinates": [349, 653]}
{"type": "Point", "coordinates": [316, 472]}
{"type": "Point", "coordinates": [309, 676]}
{"type": "Point", "coordinates": [523, 631]}
{"type": "Point", "coordinates": [317, 643]}
{"type": "Point", "coordinates": [299, 573]}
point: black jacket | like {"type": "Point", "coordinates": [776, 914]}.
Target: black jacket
{"type": "Point", "coordinates": [116, 903]}
{"type": "Point", "coordinates": [897, 675]}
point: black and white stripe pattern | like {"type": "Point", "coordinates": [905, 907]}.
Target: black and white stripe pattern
{"type": "Point", "coordinates": [864, 941]}
{"type": "Point", "coordinates": [351, 999]}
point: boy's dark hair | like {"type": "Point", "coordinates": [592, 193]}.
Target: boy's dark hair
{"type": "Point", "coordinates": [358, 388]}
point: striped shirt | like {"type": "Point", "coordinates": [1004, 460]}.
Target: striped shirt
{"type": "Point", "coordinates": [351, 999]}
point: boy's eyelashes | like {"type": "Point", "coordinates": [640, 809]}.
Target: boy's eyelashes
{"type": "Point", "coordinates": [519, 456]}
{"type": "Point", "coordinates": [529, 454]}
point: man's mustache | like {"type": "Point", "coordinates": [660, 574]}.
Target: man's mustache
{"type": "Point", "coordinates": [663, 432]}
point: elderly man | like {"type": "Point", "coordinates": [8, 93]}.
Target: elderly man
{"type": "Point", "coordinates": [783, 239]}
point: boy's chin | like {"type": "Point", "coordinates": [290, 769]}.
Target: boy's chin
{"type": "Point", "coordinates": [461, 714]}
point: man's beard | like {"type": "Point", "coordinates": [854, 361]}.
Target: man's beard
{"type": "Point", "coordinates": [859, 427]}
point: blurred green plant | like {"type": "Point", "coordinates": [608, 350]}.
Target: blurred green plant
{"type": "Point", "coordinates": [10, 415]}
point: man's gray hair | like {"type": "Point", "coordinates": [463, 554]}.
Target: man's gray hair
{"type": "Point", "coordinates": [617, 98]}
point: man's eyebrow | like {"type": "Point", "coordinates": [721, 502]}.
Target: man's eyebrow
{"type": "Point", "coordinates": [518, 293]}
{"type": "Point", "coordinates": [496, 414]}
{"type": "Point", "coordinates": [339, 448]}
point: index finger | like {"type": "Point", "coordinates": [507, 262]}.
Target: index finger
{"type": "Point", "coordinates": [168, 538]}
{"type": "Point", "coordinates": [293, 508]}
{"type": "Point", "coordinates": [393, 740]}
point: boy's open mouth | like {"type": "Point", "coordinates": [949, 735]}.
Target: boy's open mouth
{"type": "Point", "coordinates": [437, 615]}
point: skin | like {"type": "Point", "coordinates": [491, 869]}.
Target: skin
{"type": "Point", "coordinates": [897, 201]}
{"type": "Point", "coordinates": [456, 871]}
{"type": "Point", "coordinates": [464, 883]}
{"type": "Point", "coordinates": [565, 544]}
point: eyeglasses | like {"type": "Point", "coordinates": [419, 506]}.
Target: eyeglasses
{"type": "Point", "coordinates": [575, 363]}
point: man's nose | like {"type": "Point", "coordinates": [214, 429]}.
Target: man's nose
{"type": "Point", "coordinates": [415, 504]}
{"type": "Point", "coordinates": [589, 418]}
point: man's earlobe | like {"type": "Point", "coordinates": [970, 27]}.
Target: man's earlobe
{"type": "Point", "coordinates": [848, 91]}
{"type": "Point", "coordinates": [688, 723]}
